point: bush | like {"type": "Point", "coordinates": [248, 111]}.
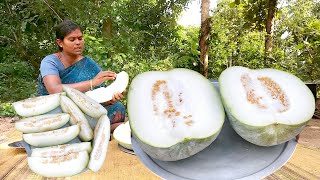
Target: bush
{"type": "Point", "coordinates": [6, 109]}
{"type": "Point", "coordinates": [18, 81]}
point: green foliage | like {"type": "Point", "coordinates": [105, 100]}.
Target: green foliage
{"type": "Point", "coordinates": [6, 109]}
{"type": "Point", "coordinates": [188, 52]}
{"type": "Point", "coordinates": [17, 81]}
{"type": "Point", "coordinates": [232, 42]}
{"type": "Point", "coordinates": [238, 38]}
{"type": "Point", "coordinates": [299, 52]}
{"type": "Point", "coordinates": [143, 36]}
{"type": "Point", "coordinates": [256, 14]}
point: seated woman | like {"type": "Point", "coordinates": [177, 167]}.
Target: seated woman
{"type": "Point", "coordinates": [69, 67]}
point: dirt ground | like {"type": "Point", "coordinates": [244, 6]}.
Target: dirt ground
{"type": "Point", "coordinates": [6, 125]}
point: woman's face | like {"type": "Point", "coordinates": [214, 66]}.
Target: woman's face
{"type": "Point", "coordinates": [73, 43]}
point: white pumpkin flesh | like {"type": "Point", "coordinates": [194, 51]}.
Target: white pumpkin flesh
{"type": "Point", "coordinates": [77, 117]}
{"type": "Point", "coordinates": [174, 114]}
{"type": "Point", "coordinates": [267, 106]}
{"type": "Point", "coordinates": [61, 150]}
{"type": "Point", "coordinates": [42, 123]}
{"type": "Point", "coordinates": [100, 144]}
{"type": "Point", "coordinates": [123, 135]}
{"type": "Point", "coordinates": [104, 94]}
{"type": "Point", "coordinates": [54, 137]}
{"type": "Point", "coordinates": [37, 105]}
{"type": "Point", "coordinates": [59, 166]}
{"type": "Point", "coordinates": [84, 102]}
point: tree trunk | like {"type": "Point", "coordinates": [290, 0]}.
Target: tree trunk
{"type": "Point", "coordinates": [269, 30]}
{"type": "Point", "coordinates": [204, 36]}
{"type": "Point", "coordinates": [107, 28]}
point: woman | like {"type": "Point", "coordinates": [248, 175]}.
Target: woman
{"type": "Point", "coordinates": [69, 67]}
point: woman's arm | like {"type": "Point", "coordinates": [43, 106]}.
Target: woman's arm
{"type": "Point", "coordinates": [54, 85]}
{"type": "Point", "coordinates": [53, 82]}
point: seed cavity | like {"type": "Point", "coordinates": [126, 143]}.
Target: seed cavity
{"type": "Point", "coordinates": [61, 159]}
{"type": "Point", "coordinates": [276, 92]}
{"type": "Point", "coordinates": [189, 123]}
{"type": "Point", "coordinates": [101, 142]}
{"type": "Point", "coordinates": [172, 101]}
{"type": "Point", "coordinates": [273, 91]}
{"type": "Point", "coordinates": [45, 121]}
{"type": "Point", "coordinates": [33, 102]}
{"type": "Point", "coordinates": [54, 132]}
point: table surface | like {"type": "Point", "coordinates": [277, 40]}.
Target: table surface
{"type": "Point", "coordinates": [304, 164]}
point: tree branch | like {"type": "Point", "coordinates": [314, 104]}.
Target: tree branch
{"type": "Point", "coordinates": [52, 9]}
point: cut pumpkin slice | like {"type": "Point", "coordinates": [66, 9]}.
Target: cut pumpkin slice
{"type": "Point", "coordinates": [85, 103]}
{"type": "Point", "coordinates": [42, 123]}
{"type": "Point", "coordinates": [59, 166]}
{"type": "Point", "coordinates": [61, 150]}
{"type": "Point", "coordinates": [267, 106]}
{"type": "Point", "coordinates": [174, 114]}
{"type": "Point", "coordinates": [51, 138]}
{"type": "Point", "coordinates": [123, 135]}
{"type": "Point", "coordinates": [77, 117]}
{"type": "Point", "coordinates": [104, 94]}
{"type": "Point", "coordinates": [100, 143]}
{"type": "Point", "coordinates": [37, 105]}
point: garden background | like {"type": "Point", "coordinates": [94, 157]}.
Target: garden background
{"type": "Point", "coordinates": [143, 35]}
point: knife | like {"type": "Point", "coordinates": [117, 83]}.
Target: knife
{"type": "Point", "coordinates": [129, 151]}
{"type": "Point", "coordinates": [21, 145]}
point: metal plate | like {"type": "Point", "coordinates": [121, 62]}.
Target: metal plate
{"type": "Point", "coordinates": [228, 157]}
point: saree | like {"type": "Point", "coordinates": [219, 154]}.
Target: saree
{"type": "Point", "coordinates": [84, 70]}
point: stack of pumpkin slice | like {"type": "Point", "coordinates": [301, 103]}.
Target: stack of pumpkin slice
{"type": "Point", "coordinates": [50, 133]}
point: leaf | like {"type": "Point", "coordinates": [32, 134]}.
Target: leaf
{"type": "Point", "coordinates": [91, 38]}
{"type": "Point", "coordinates": [23, 26]}
{"type": "Point", "coordinates": [299, 46]}
{"type": "Point", "coordinates": [232, 5]}
{"type": "Point", "coordinates": [185, 58]}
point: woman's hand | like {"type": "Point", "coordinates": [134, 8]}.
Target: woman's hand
{"type": "Point", "coordinates": [102, 77]}
{"type": "Point", "coordinates": [115, 97]}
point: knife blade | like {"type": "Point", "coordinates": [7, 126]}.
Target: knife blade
{"type": "Point", "coordinates": [21, 145]}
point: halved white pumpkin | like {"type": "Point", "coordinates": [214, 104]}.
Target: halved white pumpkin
{"type": "Point", "coordinates": [61, 150]}
{"type": "Point", "coordinates": [37, 105]}
{"type": "Point", "coordinates": [77, 117]}
{"type": "Point", "coordinates": [267, 106]}
{"type": "Point", "coordinates": [50, 138]}
{"type": "Point", "coordinates": [42, 123]}
{"type": "Point", "coordinates": [174, 114]}
{"type": "Point", "coordinates": [85, 103]}
{"type": "Point", "coordinates": [59, 166]}
{"type": "Point", "coordinates": [100, 143]}
{"type": "Point", "coordinates": [123, 135]}
{"type": "Point", "coordinates": [104, 94]}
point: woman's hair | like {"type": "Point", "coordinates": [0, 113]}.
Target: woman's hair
{"type": "Point", "coordinates": [65, 28]}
